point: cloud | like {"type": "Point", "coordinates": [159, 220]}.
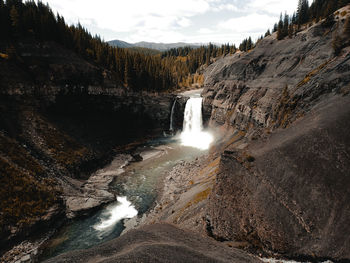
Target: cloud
{"type": "Point", "coordinates": [225, 7]}
{"type": "Point", "coordinates": [174, 21]}
{"type": "Point", "coordinates": [205, 31]}
{"type": "Point", "coordinates": [252, 23]}
{"type": "Point", "coordinates": [273, 6]}
{"type": "Point", "coordinates": [124, 16]}
{"type": "Point", "coordinates": [184, 22]}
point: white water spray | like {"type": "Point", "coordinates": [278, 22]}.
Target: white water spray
{"type": "Point", "coordinates": [193, 134]}
{"type": "Point", "coordinates": [116, 212]}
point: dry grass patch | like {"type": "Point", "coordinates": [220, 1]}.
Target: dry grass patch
{"type": "Point", "coordinates": [199, 197]}
{"type": "Point", "coordinates": [312, 73]}
{"type": "Point", "coordinates": [25, 197]}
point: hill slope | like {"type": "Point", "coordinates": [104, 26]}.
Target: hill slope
{"type": "Point", "coordinates": [150, 45]}
{"type": "Point", "coordinates": [157, 243]}
{"type": "Point", "coordinates": [120, 43]}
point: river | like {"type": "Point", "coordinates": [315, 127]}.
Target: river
{"type": "Point", "coordinates": [137, 188]}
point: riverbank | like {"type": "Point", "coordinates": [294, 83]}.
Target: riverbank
{"type": "Point", "coordinates": [54, 140]}
{"type": "Point", "coordinates": [82, 198]}
{"type": "Point", "coordinates": [138, 181]}
{"type": "Point", "coordinates": [183, 195]}
{"type": "Point", "coordinates": [185, 190]}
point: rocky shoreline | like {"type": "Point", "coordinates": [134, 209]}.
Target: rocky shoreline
{"type": "Point", "coordinates": [94, 192]}
{"type": "Point", "coordinates": [27, 251]}
{"type": "Point", "coordinates": [81, 199]}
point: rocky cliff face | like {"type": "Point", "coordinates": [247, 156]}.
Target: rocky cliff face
{"type": "Point", "coordinates": [287, 191]}
{"type": "Point", "coordinates": [276, 82]}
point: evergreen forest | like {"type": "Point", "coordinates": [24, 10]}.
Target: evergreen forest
{"type": "Point", "coordinates": [137, 69]}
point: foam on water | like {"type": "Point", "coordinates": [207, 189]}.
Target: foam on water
{"type": "Point", "coordinates": [121, 210]}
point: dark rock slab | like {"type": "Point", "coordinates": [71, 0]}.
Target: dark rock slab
{"type": "Point", "coordinates": [158, 243]}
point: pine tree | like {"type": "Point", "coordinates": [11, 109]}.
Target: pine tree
{"type": "Point", "coordinates": [329, 21]}
{"type": "Point", "coordinates": [268, 33]}
{"type": "Point", "coordinates": [14, 21]}
{"type": "Point", "coordinates": [275, 27]}
{"type": "Point", "coordinates": [280, 29]}
{"type": "Point", "coordinates": [290, 31]}
{"type": "Point", "coordinates": [294, 18]}
{"type": "Point", "coordinates": [249, 44]}
{"type": "Point", "coordinates": [4, 25]}
{"type": "Point", "coordinates": [243, 45]}
{"type": "Point", "coordinates": [16, 3]}
{"type": "Point", "coordinates": [127, 70]}
{"type": "Point", "coordinates": [342, 3]}
{"type": "Point", "coordinates": [285, 25]}
{"type": "Point", "coordinates": [305, 11]}
{"type": "Point", "coordinates": [302, 11]}
{"type": "Point", "coordinates": [299, 11]}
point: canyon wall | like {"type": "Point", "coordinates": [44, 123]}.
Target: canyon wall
{"type": "Point", "coordinates": [276, 82]}
{"type": "Point", "coordinates": [285, 186]}
{"type": "Point", "coordinates": [62, 118]}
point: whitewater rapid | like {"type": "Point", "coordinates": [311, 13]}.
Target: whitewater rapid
{"type": "Point", "coordinates": [114, 213]}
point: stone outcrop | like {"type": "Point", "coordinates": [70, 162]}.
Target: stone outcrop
{"type": "Point", "coordinates": [157, 243]}
{"type": "Point", "coordinates": [284, 187]}
{"type": "Point", "coordinates": [92, 193]}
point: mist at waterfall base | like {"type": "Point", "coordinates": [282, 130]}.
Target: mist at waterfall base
{"type": "Point", "coordinates": [193, 134]}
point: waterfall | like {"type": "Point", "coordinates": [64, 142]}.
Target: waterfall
{"type": "Point", "coordinates": [193, 134]}
{"type": "Point", "coordinates": [172, 117]}
{"type": "Point", "coordinates": [193, 116]}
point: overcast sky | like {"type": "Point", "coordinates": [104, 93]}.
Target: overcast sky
{"type": "Point", "coordinates": [168, 21]}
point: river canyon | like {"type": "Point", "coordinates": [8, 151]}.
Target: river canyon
{"type": "Point", "coordinates": [137, 183]}
{"type": "Point", "coordinates": [252, 166]}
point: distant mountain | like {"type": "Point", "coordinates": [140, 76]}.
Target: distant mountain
{"type": "Point", "coordinates": [119, 43]}
{"type": "Point", "coordinates": [163, 46]}
{"type": "Point", "coordinates": [151, 45]}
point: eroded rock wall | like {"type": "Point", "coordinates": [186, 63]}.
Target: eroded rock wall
{"type": "Point", "coordinates": [290, 193]}
{"type": "Point", "coordinates": [285, 187]}
{"type": "Point", "coordinates": [276, 82]}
